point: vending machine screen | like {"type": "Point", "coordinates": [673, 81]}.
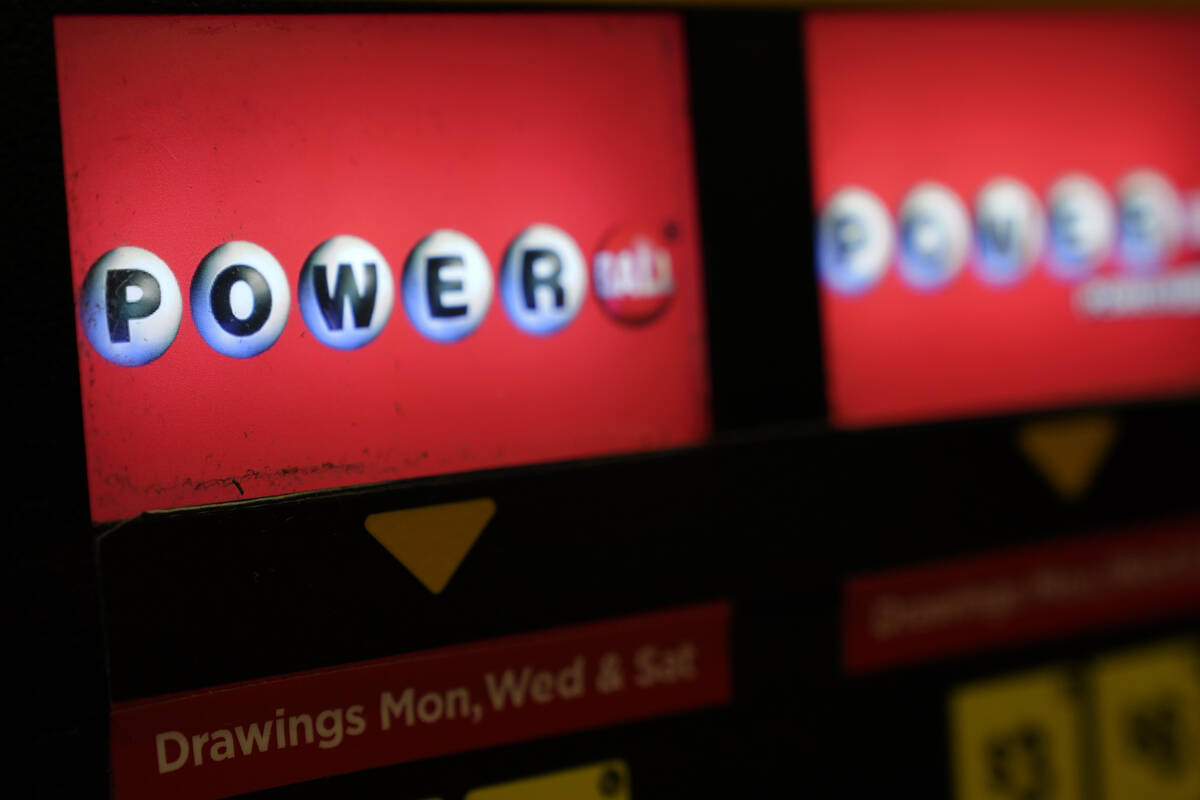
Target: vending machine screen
{"type": "Point", "coordinates": [1008, 209]}
{"type": "Point", "coordinates": [312, 251]}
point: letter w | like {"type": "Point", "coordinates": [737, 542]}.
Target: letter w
{"type": "Point", "coordinates": [256, 739]}
{"type": "Point", "coordinates": [509, 687]}
{"type": "Point", "coordinates": [362, 305]}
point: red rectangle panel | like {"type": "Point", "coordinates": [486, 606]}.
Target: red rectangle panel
{"type": "Point", "coordinates": [1025, 297]}
{"type": "Point", "coordinates": [182, 134]}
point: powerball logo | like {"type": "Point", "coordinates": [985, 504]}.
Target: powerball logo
{"type": "Point", "coordinates": [131, 305]}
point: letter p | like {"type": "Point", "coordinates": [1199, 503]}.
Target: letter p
{"type": "Point", "coordinates": [129, 294]}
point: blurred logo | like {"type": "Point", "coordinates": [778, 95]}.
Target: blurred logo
{"type": "Point", "coordinates": [1081, 226]}
{"type": "Point", "coordinates": [634, 274]}
{"type": "Point", "coordinates": [1010, 231]}
{"type": "Point", "coordinates": [1079, 230]}
{"type": "Point", "coordinates": [934, 236]}
{"type": "Point", "coordinates": [1152, 220]}
{"type": "Point", "coordinates": [854, 240]}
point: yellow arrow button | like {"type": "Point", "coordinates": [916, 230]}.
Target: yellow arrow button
{"type": "Point", "coordinates": [1069, 451]}
{"type": "Point", "coordinates": [432, 541]}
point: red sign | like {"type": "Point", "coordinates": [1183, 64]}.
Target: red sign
{"type": "Point", "coordinates": [908, 615]}
{"type": "Point", "coordinates": [246, 737]}
{"type": "Point", "coordinates": [1058, 153]}
{"type": "Point", "coordinates": [370, 242]}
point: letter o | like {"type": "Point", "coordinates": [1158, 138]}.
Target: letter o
{"type": "Point", "coordinates": [240, 299]}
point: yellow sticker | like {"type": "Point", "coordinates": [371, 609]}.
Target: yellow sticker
{"type": "Point", "coordinates": [1016, 738]}
{"type": "Point", "coordinates": [1148, 722]}
{"type": "Point", "coordinates": [608, 780]}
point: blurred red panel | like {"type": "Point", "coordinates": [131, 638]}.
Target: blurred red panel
{"type": "Point", "coordinates": [963, 97]}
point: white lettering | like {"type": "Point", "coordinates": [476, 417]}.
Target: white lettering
{"type": "Point", "coordinates": [256, 739]}
{"type": "Point", "coordinates": [160, 742]}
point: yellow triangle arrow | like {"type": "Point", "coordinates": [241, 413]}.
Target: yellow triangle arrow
{"type": "Point", "coordinates": [1069, 451]}
{"type": "Point", "coordinates": [432, 541]}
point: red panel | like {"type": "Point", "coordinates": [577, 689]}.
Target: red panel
{"type": "Point", "coordinates": [908, 615]}
{"type": "Point", "coordinates": [572, 678]}
{"type": "Point", "coordinates": [962, 97]}
{"type": "Point", "coordinates": [181, 133]}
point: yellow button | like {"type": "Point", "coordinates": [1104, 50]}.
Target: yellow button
{"type": "Point", "coordinates": [1148, 722]}
{"type": "Point", "coordinates": [608, 780]}
{"type": "Point", "coordinates": [1016, 738]}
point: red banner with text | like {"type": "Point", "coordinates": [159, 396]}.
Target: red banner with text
{"type": "Point", "coordinates": [908, 615]}
{"type": "Point", "coordinates": [241, 738]}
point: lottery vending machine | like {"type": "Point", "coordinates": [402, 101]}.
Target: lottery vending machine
{"type": "Point", "coordinates": [606, 403]}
